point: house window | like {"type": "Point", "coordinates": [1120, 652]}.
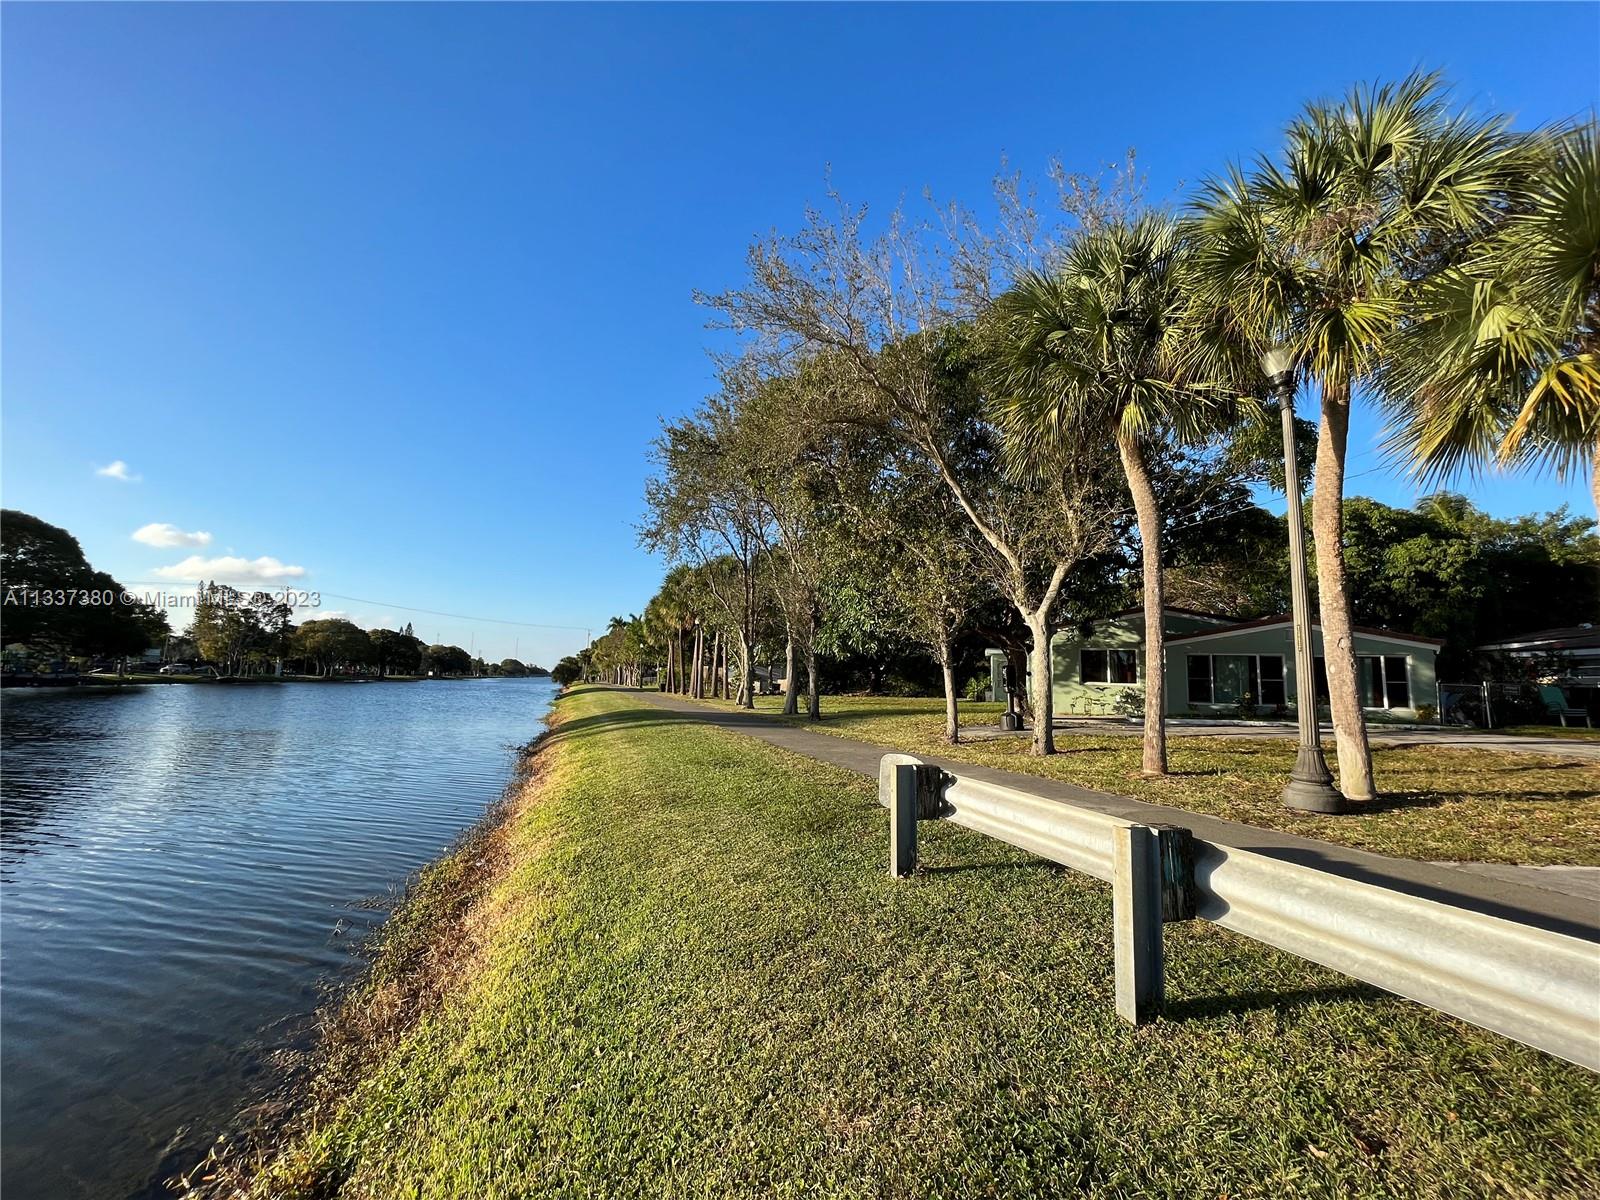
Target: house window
{"type": "Point", "coordinates": [1383, 679]}
{"type": "Point", "coordinates": [1108, 666]}
{"type": "Point", "coordinates": [1270, 671]}
{"type": "Point", "coordinates": [1229, 678]}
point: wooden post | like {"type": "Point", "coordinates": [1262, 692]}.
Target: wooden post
{"type": "Point", "coordinates": [1136, 896]}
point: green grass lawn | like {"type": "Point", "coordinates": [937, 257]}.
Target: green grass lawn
{"type": "Point", "coordinates": [692, 976]}
{"type": "Point", "coordinates": [1575, 732]}
{"type": "Point", "coordinates": [1438, 803]}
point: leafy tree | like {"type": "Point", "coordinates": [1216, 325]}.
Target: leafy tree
{"type": "Point", "coordinates": [229, 626]}
{"type": "Point", "coordinates": [448, 660]}
{"type": "Point", "coordinates": [38, 556]}
{"type": "Point", "coordinates": [706, 510]}
{"type": "Point", "coordinates": [1447, 569]}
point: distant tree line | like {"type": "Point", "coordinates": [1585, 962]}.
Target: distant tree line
{"type": "Point", "coordinates": [240, 633]}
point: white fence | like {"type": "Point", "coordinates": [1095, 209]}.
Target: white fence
{"type": "Point", "coordinates": [1532, 985]}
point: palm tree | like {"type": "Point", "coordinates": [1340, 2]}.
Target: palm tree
{"type": "Point", "coordinates": [1500, 358]}
{"type": "Point", "coordinates": [1313, 253]}
{"type": "Point", "coordinates": [1092, 350]}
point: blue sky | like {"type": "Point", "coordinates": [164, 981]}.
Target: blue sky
{"type": "Point", "coordinates": [398, 294]}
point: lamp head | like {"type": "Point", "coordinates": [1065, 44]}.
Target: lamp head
{"type": "Point", "coordinates": [1277, 364]}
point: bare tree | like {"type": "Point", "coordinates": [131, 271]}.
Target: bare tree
{"type": "Point", "coordinates": [894, 317]}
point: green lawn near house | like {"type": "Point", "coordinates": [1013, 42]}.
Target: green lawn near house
{"type": "Point", "coordinates": [1438, 803]}
{"type": "Point", "coordinates": [678, 967]}
{"type": "Point", "coordinates": [1576, 732]}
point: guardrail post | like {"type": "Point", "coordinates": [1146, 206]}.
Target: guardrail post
{"type": "Point", "coordinates": [903, 819]}
{"type": "Point", "coordinates": [1136, 904]}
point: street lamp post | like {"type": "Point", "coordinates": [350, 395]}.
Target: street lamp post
{"type": "Point", "coordinates": [1310, 787]}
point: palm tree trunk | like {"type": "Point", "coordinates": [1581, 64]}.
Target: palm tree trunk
{"type": "Point", "coordinates": [1044, 738]}
{"type": "Point", "coordinates": [695, 690]}
{"type": "Point", "coordinates": [1594, 479]}
{"type": "Point", "coordinates": [1155, 634]}
{"type": "Point", "coordinates": [1333, 594]}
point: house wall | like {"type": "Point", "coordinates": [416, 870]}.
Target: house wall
{"type": "Point", "coordinates": [1075, 697]}
{"type": "Point", "coordinates": [1421, 677]}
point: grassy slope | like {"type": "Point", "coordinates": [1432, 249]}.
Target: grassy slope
{"type": "Point", "coordinates": [1439, 804]}
{"type": "Point", "coordinates": [697, 979]}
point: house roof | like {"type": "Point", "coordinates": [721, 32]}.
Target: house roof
{"type": "Point", "coordinates": [1574, 637]}
{"type": "Point", "coordinates": [1182, 612]}
{"type": "Point", "coordinates": [1393, 635]}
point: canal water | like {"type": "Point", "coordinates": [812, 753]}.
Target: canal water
{"type": "Point", "coordinates": [185, 871]}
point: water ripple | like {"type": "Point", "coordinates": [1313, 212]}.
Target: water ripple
{"type": "Point", "coordinates": [183, 871]}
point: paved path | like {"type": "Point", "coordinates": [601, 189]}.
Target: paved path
{"type": "Point", "coordinates": [1545, 906]}
{"type": "Point", "coordinates": [1565, 749]}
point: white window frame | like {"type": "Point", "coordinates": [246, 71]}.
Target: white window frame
{"type": "Point", "coordinates": [1211, 672]}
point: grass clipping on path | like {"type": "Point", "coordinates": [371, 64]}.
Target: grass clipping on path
{"type": "Point", "coordinates": [692, 976]}
{"type": "Point", "coordinates": [1438, 804]}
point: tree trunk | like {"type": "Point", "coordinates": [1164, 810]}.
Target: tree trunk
{"type": "Point", "coordinates": [1044, 739]}
{"type": "Point", "coordinates": [1333, 594]}
{"type": "Point", "coordinates": [813, 684]}
{"type": "Point", "coordinates": [666, 676]}
{"type": "Point", "coordinates": [747, 663]}
{"type": "Point", "coordinates": [1594, 479]}
{"type": "Point", "coordinates": [1155, 633]}
{"type": "Point", "coordinates": [952, 718]}
{"type": "Point", "coordinates": [695, 690]}
{"type": "Point", "coordinates": [791, 699]}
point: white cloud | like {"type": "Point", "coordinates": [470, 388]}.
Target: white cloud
{"type": "Point", "coordinates": [119, 471]}
{"type": "Point", "coordinates": [230, 568]}
{"type": "Point", "coordinates": [165, 535]}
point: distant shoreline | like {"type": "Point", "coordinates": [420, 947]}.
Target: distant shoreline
{"type": "Point", "coordinates": [112, 682]}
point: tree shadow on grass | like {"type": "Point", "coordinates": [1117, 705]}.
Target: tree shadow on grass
{"type": "Point", "coordinates": [1201, 1007]}
{"type": "Point", "coordinates": [1400, 801]}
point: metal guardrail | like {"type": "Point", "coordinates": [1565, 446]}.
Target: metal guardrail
{"type": "Point", "coordinates": [1534, 986]}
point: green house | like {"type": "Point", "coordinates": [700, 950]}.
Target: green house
{"type": "Point", "coordinates": [1221, 667]}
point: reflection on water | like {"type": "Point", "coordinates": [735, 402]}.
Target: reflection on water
{"type": "Point", "coordinates": [183, 871]}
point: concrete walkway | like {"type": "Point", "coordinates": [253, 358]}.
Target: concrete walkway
{"type": "Point", "coordinates": [1549, 905]}
{"type": "Point", "coordinates": [1564, 749]}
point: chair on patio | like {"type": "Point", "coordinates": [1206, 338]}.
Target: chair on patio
{"type": "Point", "coordinates": [1555, 700]}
